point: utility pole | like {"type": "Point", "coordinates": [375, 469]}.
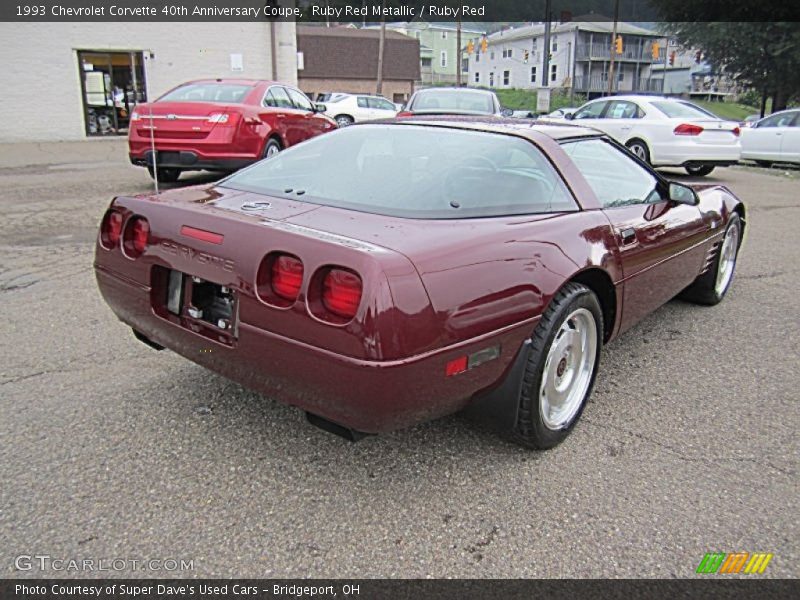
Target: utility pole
{"type": "Point", "coordinates": [546, 53]}
{"type": "Point", "coordinates": [613, 49]}
{"type": "Point", "coordinates": [381, 44]}
{"type": "Point", "coordinates": [458, 52]}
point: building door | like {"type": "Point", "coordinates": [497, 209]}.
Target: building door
{"type": "Point", "coordinates": [112, 83]}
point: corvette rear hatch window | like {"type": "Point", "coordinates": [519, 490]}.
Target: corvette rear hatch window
{"type": "Point", "coordinates": [413, 171]}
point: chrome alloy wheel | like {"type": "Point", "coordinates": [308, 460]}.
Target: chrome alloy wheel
{"type": "Point", "coordinates": [727, 259]}
{"type": "Point", "coordinates": [639, 151]}
{"type": "Point", "coordinates": [272, 150]}
{"type": "Point", "coordinates": [568, 369]}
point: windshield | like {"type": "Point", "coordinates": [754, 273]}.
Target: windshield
{"type": "Point", "coordinates": [683, 110]}
{"type": "Point", "coordinates": [412, 171]}
{"type": "Point", "coordinates": [208, 92]}
{"type": "Point", "coordinates": [462, 101]}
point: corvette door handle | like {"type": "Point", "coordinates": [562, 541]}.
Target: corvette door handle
{"type": "Point", "coordinates": [627, 236]}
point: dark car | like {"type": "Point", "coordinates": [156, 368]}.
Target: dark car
{"type": "Point", "coordinates": [221, 125]}
{"type": "Point", "coordinates": [432, 267]}
{"type": "Point", "coordinates": [453, 101]}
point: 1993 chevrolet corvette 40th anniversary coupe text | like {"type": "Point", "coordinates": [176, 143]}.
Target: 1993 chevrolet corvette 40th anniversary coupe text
{"type": "Point", "coordinates": [389, 273]}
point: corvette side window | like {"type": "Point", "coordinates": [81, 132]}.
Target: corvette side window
{"type": "Point", "coordinates": [616, 178]}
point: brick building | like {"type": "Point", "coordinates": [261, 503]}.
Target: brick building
{"type": "Point", "coordinates": [345, 59]}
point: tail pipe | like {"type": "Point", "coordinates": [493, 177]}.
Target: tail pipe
{"type": "Point", "coordinates": [350, 435]}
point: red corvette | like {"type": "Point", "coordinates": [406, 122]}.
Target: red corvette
{"type": "Point", "coordinates": [221, 125]}
{"type": "Point", "coordinates": [433, 266]}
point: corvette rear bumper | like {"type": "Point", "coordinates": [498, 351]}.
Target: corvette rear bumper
{"type": "Point", "coordinates": [371, 396]}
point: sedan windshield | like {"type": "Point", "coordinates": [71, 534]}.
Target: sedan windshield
{"type": "Point", "coordinates": [413, 171]}
{"type": "Point", "coordinates": [461, 101]}
{"type": "Point", "coordinates": [682, 110]}
{"type": "Point", "coordinates": [208, 92]}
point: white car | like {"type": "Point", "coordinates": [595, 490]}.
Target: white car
{"type": "Point", "coordinates": [775, 138]}
{"type": "Point", "coordinates": [665, 132]}
{"type": "Point", "coordinates": [347, 109]}
{"type": "Point", "coordinates": [558, 114]}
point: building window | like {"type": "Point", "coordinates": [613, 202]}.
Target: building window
{"type": "Point", "coordinates": [553, 72]}
{"type": "Point", "coordinates": [477, 77]}
{"type": "Point", "coordinates": [491, 56]}
{"type": "Point", "coordinates": [417, 34]}
{"type": "Point", "coordinates": [533, 74]}
{"type": "Point", "coordinates": [477, 57]}
{"type": "Point", "coordinates": [443, 59]}
{"type": "Point", "coordinates": [491, 79]}
{"type": "Point", "coordinates": [506, 77]}
{"type": "Point", "coordinates": [510, 52]}
{"type": "Point", "coordinates": [444, 35]}
{"type": "Point", "coordinates": [535, 43]}
{"type": "Point", "coordinates": [555, 45]}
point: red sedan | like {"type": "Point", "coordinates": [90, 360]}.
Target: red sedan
{"type": "Point", "coordinates": [434, 266]}
{"type": "Point", "coordinates": [221, 125]}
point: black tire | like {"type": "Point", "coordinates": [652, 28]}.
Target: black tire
{"type": "Point", "coordinates": [531, 430]}
{"type": "Point", "coordinates": [704, 289]}
{"type": "Point", "coordinates": [344, 120]}
{"type": "Point", "coordinates": [165, 174]}
{"type": "Point", "coordinates": [764, 163]}
{"type": "Point", "coordinates": [271, 148]}
{"type": "Point", "coordinates": [700, 171]}
{"type": "Point", "coordinates": [640, 149]}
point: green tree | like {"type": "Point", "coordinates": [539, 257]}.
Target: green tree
{"type": "Point", "coordinates": [759, 53]}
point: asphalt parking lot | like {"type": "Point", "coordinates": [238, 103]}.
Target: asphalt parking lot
{"type": "Point", "coordinates": [112, 450]}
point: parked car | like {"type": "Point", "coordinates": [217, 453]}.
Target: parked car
{"type": "Point", "coordinates": [347, 109]}
{"type": "Point", "coordinates": [749, 121]}
{"type": "Point", "coordinates": [221, 125]}
{"type": "Point", "coordinates": [559, 113]}
{"type": "Point", "coordinates": [775, 138]}
{"type": "Point", "coordinates": [454, 101]}
{"type": "Point", "coordinates": [665, 132]}
{"type": "Point", "coordinates": [522, 114]}
{"type": "Point", "coordinates": [432, 267]}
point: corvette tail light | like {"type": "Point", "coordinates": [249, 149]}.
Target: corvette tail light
{"type": "Point", "coordinates": [404, 113]}
{"type": "Point", "coordinates": [287, 276]}
{"type": "Point", "coordinates": [136, 236]}
{"type": "Point", "coordinates": [111, 229]}
{"type": "Point", "coordinates": [341, 292]}
{"type": "Point", "coordinates": [736, 131]}
{"type": "Point", "coordinates": [688, 129]}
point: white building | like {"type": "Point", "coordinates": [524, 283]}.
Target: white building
{"type": "Point", "coordinates": [580, 54]}
{"type": "Point", "coordinates": [61, 81]}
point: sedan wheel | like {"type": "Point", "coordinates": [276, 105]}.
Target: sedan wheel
{"type": "Point", "coordinates": [344, 120]}
{"type": "Point", "coordinates": [700, 171]}
{"type": "Point", "coordinates": [272, 148]}
{"type": "Point", "coordinates": [639, 149]}
{"type": "Point", "coordinates": [561, 367]}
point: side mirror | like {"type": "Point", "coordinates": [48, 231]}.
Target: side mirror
{"type": "Point", "coordinates": [506, 112]}
{"type": "Point", "coordinates": [682, 194]}
{"type": "Point", "coordinates": [319, 107]}
{"type": "Point", "coordinates": [569, 116]}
